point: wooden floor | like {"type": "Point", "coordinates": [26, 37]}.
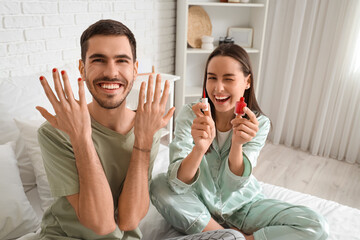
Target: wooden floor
{"type": "Point", "coordinates": [300, 171]}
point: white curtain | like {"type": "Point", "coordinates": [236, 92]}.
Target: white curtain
{"type": "Point", "coordinates": [310, 85]}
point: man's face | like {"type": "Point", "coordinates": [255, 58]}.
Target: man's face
{"type": "Point", "coordinates": [109, 69]}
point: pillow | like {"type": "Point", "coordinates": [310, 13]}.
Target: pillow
{"type": "Point", "coordinates": [28, 132]}
{"type": "Point", "coordinates": [17, 217]}
{"type": "Point", "coordinates": [26, 169]}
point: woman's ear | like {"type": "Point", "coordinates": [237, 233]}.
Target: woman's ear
{"type": "Point", "coordinates": [248, 81]}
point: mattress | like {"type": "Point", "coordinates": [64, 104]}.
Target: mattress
{"type": "Point", "coordinates": [344, 221]}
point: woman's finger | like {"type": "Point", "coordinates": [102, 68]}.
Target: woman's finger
{"type": "Point", "coordinates": [246, 129]}
{"type": "Point", "coordinates": [199, 134]}
{"type": "Point", "coordinates": [252, 116]}
{"type": "Point", "coordinates": [197, 109]}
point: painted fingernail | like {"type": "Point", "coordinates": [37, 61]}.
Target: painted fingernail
{"type": "Point", "coordinates": [54, 69]}
{"type": "Point", "coordinates": [62, 72]}
{"type": "Point", "coordinates": [41, 78]}
{"type": "Point", "coordinates": [79, 79]}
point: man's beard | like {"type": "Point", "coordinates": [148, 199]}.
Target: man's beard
{"type": "Point", "coordinates": [109, 104]}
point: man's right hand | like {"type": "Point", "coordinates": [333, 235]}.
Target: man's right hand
{"type": "Point", "coordinates": [72, 116]}
{"type": "Point", "coordinates": [203, 127]}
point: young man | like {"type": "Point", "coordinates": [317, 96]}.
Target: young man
{"type": "Point", "coordinates": [99, 156]}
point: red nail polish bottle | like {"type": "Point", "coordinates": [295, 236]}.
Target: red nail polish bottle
{"type": "Point", "coordinates": [239, 107]}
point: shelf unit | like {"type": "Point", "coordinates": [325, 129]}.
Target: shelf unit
{"type": "Point", "coordinates": [190, 62]}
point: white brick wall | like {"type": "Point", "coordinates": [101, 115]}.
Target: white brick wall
{"type": "Point", "coordinates": [37, 35]}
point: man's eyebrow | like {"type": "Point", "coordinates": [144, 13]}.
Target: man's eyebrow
{"type": "Point", "coordinates": [210, 73]}
{"type": "Point", "coordinates": [123, 56]}
{"type": "Point", "coordinates": [99, 55]}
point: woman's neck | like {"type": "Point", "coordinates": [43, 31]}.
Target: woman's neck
{"type": "Point", "coordinates": [223, 120]}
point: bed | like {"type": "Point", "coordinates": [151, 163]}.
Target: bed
{"type": "Point", "coordinates": [25, 191]}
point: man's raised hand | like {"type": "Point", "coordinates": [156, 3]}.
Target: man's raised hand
{"type": "Point", "coordinates": [150, 115]}
{"type": "Point", "coordinates": [72, 116]}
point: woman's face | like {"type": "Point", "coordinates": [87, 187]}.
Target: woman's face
{"type": "Point", "coordinates": [225, 83]}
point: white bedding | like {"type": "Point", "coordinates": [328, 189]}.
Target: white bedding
{"type": "Point", "coordinates": [344, 221]}
{"type": "Point", "coordinates": [18, 99]}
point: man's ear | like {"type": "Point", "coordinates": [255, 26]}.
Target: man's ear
{"type": "Point", "coordinates": [136, 65]}
{"type": "Point", "coordinates": [82, 69]}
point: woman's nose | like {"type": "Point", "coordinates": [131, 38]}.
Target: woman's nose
{"type": "Point", "coordinates": [219, 86]}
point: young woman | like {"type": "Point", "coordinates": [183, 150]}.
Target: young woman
{"type": "Point", "coordinates": [209, 184]}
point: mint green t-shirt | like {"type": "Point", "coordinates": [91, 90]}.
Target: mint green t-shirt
{"type": "Point", "coordinates": [114, 151]}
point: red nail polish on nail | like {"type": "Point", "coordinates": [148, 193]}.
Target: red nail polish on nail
{"type": "Point", "coordinates": [41, 78]}
{"type": "Point", "coordinates": [54, 69]}
{"type": "Point", "coordinates": [79, 79]}
{"type": "Point", "coordinates": [62, 72]}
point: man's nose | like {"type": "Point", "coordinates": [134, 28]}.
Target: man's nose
{"type": "Point", "coordinates": [111, 70]}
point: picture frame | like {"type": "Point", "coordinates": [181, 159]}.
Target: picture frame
{"type": "Point", "coordinates": [242, 36]}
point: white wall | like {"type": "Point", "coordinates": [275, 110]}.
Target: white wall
{"type": "Point", "coordinates": [36, 36]}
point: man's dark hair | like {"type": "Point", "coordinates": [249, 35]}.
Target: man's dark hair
{"type": "Point", "coordinates": [106, 27]}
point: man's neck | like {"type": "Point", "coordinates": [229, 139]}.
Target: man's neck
{"type": "Point", "coordinates": [120, 119]}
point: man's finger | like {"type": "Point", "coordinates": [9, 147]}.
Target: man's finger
{"type": "Point", "coordinates": [150, 87]}
{"type": "Point", "coordinates": [68, 91]}
{"type": "Point", "coordinates": [82, 98]}
{"type": "Point", "coordinates": [157, 93]}
{"type": "Point", "coordinates": [48, 116]}
{"type": "Point", "coordinates": [165, 94]}
{"type": "Point", "coordinates": [169, 114]}
{"type": "Point", "coordinates": [141, 96]}
{"type": "Point", "coordinates": [58, 87]}
{"type": "Point", "coordinates": [48, 91]}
